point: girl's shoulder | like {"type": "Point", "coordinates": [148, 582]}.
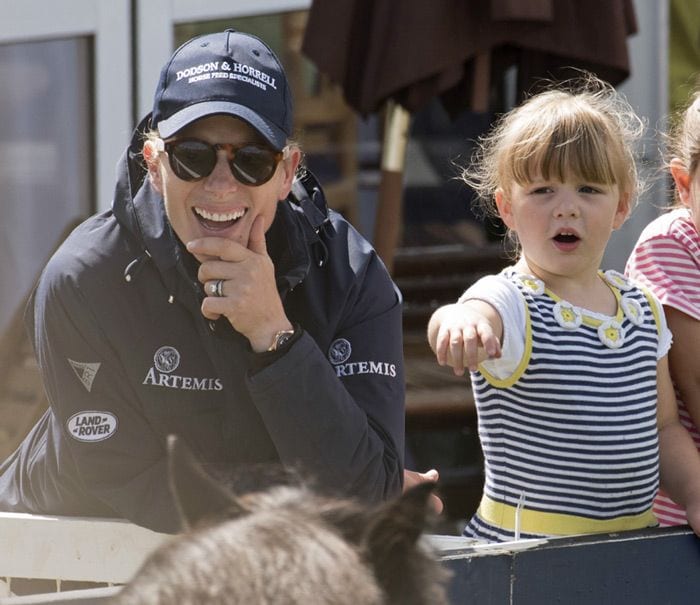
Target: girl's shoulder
{"type": "Point", "coordinates": [498, 286]}
{"type": "Point", "coordinates": [527, 284]}
{"type": "Point", "coordinates": [676, 224]}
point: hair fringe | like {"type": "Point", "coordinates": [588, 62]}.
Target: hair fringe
{"type": "Point", "coordinates": [582, 125]}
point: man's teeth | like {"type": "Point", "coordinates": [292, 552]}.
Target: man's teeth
{"type": "Point", "coordinates": [220, 217]}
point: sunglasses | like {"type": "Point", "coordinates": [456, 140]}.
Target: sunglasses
{"type": "Point", "coordinates": [193, 160]}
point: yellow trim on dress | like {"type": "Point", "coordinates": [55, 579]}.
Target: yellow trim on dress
{"type": "Point", "coordinates": [558, 524]}
{"type": "Point", "coordinates": [595, 322]}
{"type": "Point", "coordinates": [609, 331]}
{"type": "Point", "coordinates": [504, 383]}
{"type": "Point", "coordinates": [654, 309]}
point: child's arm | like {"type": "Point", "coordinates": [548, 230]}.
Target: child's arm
{"type": "Point", "coordinates": [682, 359]}
{"type": "Point", "coordinates": [463, 334]}
{"type": "Point", "coordinates": [679, 459]}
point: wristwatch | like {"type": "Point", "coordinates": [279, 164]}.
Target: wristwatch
{"type": "Point", "coordinates": [281, 338]}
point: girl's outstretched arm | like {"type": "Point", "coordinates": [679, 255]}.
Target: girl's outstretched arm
{"type": "Point", "coordinates": [462, 335]}
{"type": "Point", "coordinates": [679, 459]}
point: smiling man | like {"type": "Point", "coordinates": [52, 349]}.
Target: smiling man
{"type": "Point", "coordinates": [216, 300]}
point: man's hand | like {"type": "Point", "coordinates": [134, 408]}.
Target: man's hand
{"type": "Point", "coordinates": [412, 478]}
{"type": "Point", "coordinates": [249, 300]}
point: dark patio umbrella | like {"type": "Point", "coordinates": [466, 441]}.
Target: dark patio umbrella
{"type": "Point", "coordinates": [396, 55]}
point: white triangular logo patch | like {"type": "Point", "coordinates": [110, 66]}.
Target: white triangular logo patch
{"type": "Point", "coordinates": [86, 372]}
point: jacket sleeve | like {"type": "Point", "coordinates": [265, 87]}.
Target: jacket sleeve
{"type": "Point", "coordinates": [122, 465]}
{"type": "Point", "coordinates": [339, 414]}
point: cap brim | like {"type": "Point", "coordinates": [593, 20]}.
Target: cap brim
{"type": "Point", "coordinates": [272, 133]}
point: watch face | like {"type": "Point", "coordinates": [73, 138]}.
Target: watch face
{"type": "Point", "coordinates": [283, 338]}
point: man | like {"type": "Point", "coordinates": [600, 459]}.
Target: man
{"type": "Point", "coordinates": [219, 300]}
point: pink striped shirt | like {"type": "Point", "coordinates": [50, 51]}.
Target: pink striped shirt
{"type": "Point", "coordinates": [666, 260]}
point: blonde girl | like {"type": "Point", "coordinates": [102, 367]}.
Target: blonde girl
{"type": "Point", "coordinates": [569, 369]}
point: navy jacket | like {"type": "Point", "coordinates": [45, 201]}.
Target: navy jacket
{"type": "Point", "coordinates": [127, 358]}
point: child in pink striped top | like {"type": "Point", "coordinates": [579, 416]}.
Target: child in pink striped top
{"type": "Point", "coordinates": [666, 259]}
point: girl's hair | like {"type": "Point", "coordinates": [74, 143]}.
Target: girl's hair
{"type": "Point", "coordinates": [581, 128]}
{"type": "Point", "coordinates": [684, 140]}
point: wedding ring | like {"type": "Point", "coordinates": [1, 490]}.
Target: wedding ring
{"type": "Point", "coordinates": [217, 288]}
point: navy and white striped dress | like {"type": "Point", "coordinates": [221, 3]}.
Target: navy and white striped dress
{"type": "Point", "coordinates": [570, 438]}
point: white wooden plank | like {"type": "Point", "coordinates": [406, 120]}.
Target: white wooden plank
{"type": "Point", "coordinates": [73, 548]}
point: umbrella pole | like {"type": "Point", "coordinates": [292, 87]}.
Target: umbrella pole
{"type": "Point", "coordinates": [389, 214]}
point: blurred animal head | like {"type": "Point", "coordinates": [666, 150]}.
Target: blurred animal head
{"type": "Point", "coordinates": [288, 545]}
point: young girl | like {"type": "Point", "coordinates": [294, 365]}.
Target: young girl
{"type": "Point", "coordinates": [666, 260]}
{"type": "Point", "coordinates": [568, 364]}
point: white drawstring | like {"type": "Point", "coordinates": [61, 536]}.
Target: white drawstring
{"type": "Point", "coordinates": [518, 511]}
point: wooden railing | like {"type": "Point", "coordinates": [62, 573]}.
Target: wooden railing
{"type": "Point", "coordinates": [64, 549]}
{"type": "Point", "coordinates": [660, 565]}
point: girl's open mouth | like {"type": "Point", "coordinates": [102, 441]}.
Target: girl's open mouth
{"type": "Point", "coordinates": [566, 238]}
{"type": "Point", "coordinates": [566, 241]}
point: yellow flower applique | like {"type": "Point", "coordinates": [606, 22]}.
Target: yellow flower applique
{"type": "Point", "coordinates": [617, 279]}
{"type": "Point", "coordinates": [567, 315]}
{"type": "Point", "coordinates": [632, 310]}
{"type": "Point", "coordinates": [534, 285]}
{"type": "Point", "coordinates": [611, 334]}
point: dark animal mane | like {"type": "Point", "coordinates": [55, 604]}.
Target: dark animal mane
{"type": "Point", "coordinates": [288, 545]}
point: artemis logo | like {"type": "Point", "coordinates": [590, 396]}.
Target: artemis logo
{"type": "Point", "coordinates": [366, 367]}
{"type": "Point", "coordinates": [339, 352]}
{"type": "Point", "coordinates": [92, 425]}
{"type": "Point", "coordinates": [165, 361]}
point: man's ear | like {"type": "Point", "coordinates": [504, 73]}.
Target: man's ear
{"type": "Point", "coordinates": [289, 164]}
{"type": "Point", "coordinates": [150, 155]}
{"type": "Point", "coordinates": [504, 208]}
{"type": "Point", "coordinates": [681, 177]}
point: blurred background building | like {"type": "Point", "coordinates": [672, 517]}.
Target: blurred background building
{"type": "Point", "coordinates": [76, 76]}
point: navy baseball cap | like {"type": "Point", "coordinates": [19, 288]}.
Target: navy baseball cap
{"type": "Point", "coordinates": [224, 73]}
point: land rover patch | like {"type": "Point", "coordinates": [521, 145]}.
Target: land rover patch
{"type": "Point", "coordinates": [92, 425]}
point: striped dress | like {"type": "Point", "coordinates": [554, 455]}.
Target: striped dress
{"type": "Point", "coordinates": [666, 259]}
{"type": "Point", "coordinates": [570, 439]}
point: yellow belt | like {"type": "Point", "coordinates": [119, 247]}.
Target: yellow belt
{"type": "Point", "coordinates": [537, 522]}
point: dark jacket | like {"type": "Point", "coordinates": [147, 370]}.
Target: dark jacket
{"type": "Point", "coordinates": [127, 358]}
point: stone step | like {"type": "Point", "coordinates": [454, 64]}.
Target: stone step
{"type": "Point", "coordinates": [436, 288]}
{"type": "Point", "coordinates": [449, 259]}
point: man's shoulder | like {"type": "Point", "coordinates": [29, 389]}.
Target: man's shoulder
{"type": "Point", "coordinates": [95, 246]}
{"type": "Point", "coordinates": [349, 235]}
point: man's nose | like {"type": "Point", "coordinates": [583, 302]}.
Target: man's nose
{"type": "Point", "coordinates": [221, 178]}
